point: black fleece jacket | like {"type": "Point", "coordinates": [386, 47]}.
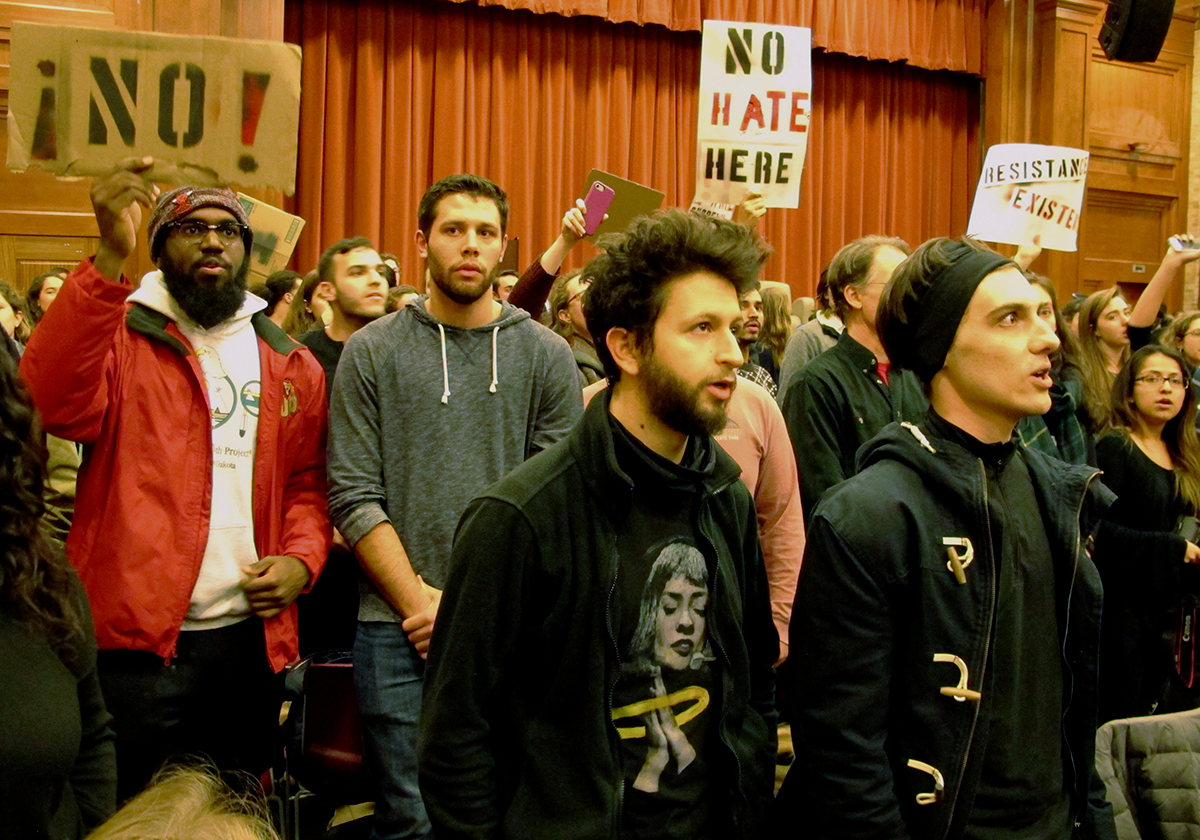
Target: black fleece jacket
{"type": "Point", "coordinates": [516, 733]}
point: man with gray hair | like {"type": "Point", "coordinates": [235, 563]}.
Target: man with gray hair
{"type": "Point", "coordinates": [842, 398]}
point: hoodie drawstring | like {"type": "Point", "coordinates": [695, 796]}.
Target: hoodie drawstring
{"type": "Point", "coordinates": [495, 332]}
{"type": "Point", "coordinates": [445, 369]}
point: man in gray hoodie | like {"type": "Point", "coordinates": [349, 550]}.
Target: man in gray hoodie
{"type": "Point", "coordinates": [431, 405]}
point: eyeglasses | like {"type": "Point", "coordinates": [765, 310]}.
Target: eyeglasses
{"type": "Point", "coordinates": [1153, 379]}
{"type": "Point", "coordinates": [191, 230]}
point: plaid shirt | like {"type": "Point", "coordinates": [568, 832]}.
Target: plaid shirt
{"type": "Point", "coordinates": [757, 374]}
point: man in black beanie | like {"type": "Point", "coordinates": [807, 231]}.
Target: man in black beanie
{"type": "Point", "coordinates": [946, 621]}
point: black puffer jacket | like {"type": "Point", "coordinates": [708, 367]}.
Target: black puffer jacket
{"type": "Point", "coordinates": [878, 599]}
{"type": "Point", "coordinates": [516, 738]}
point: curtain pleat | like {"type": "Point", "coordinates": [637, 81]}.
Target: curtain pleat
{"type": "Point", "coordinates": [934, 34]}
{"type": "Point", "coordinates": [398, 94]}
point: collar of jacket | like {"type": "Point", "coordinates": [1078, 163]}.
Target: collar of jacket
{"type": "Point", "coordinates": [144, 320]}
{"type": "Point", "coordinates": [591, 444]}
{"type": "Point", "coordinates": [860, 356]}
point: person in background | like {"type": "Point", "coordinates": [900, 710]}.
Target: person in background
{"type": "Point", "coordinates": [391, 270]}
{"type": "Point", "coordinates": [748, 328]}
{"type": "Point", "coordinates": [401, 296]}
{"type": "Point", "coordinates": [41, 293]}
{"type": "Point", "coordinates": [58, 772]}
{"type": "Point", "coordinates": [12, 315]}
{"type": "Point", "coordinates": [566, 318]}
{"type": "Point", "coordinates": [502, 285]}
{"type": "Point", "coordinates": [845, 396]}
{"type": "Point", "coordinates": [278, 290]}
{"type": "Point", "coordinates": [1103, 349]}
{"type": "Point", "coordinates": [307, 312]}
{"type": "Point", "coordinates": [1151, 459]}
{"type": "Point", "coordinates": [1058, 432]}
{"type": "Point", "coordinates": [776, 328]}
{"type": "Point", "coordinates": [811, 338]}
{"type": "Point", "coordinates": [531, 291]}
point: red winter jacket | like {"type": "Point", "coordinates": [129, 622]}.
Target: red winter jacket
{"type": "Point", "coordinates": [121, 379]}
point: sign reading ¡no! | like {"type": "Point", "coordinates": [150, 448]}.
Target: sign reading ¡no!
{"type": "Point", "coordinates": [209, 110]}
{"type": "Point", "coordinates": [752, 124]}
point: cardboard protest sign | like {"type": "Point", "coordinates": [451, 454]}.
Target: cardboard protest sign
{"type": "Point", "coordinates": [712, 209]}
{"type": "Point", "coordinates": [752, 124]}
{"type": "Point", "coordinates": [630, 200]}
{"type": "Point", "coordinates": [275, 235]}
{"type": "Point", "coordinates": [1029, 190]}
{"type": "Point", "coordinates": [209, 110]}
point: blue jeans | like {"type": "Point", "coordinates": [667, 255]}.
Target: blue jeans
{"type": "Point", "coordinates": [388, 676]}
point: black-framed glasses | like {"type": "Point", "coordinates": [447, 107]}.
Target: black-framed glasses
{"type": "Point", "coordinates": [1154, 380]}
{"type": "Point", "coordinates": [192, 230]}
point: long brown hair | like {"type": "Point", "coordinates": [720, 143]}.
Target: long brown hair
{"type": "Point", "coordinates": [1180, 327]}
{"type": "Point", "coordinates": [300, 319]}
{"type": "Point", "coordinates": [1179, 433]}
{"type": "Point", "coordinates": [776, 325]}
{"type": "Point", "coordinates": [1092, 363]}
{"type": "Point", "coordinates": [35, 580]}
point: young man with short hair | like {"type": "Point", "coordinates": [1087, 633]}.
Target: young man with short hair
{"type": "Point", "coordinates": [352, 283]}
{"type": "Point", "coordinates": [430, 406]}
{"type": "Point", "coordinates": [607, 671]}
{"type": "Point", "coordinates": [947, 617]}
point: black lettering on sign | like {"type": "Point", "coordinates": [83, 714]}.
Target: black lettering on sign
{"type": "Point", "coordinates": [166, 104]}
{"type": "Point", "coordinates": [739, 50]}
{"type": "Point", "coordinates": [772, 53]}
{"type": "Point", "coordinates": [113, 102]}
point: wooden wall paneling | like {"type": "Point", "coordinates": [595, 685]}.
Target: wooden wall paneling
{"type": "Point", "coordinates": [1122, 242]}
{"type": "Point", "coordinates": [23, 258]}
{"type": "Point", "coordinates": [1010, 63]}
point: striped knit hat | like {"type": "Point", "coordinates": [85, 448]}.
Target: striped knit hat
{"type": "Point", "coordinates": [179, 202]}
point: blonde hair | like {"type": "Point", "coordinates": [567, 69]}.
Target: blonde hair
{"type": "Point", "coordinates": [192, 803]}
{"type": "Point", "coordinates": [1093, 364]}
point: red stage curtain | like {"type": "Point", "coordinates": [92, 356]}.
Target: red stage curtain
{"type": "Point", "coordinates": [398, 94]}
{"type": "Point", "coordinates": [934, 34]}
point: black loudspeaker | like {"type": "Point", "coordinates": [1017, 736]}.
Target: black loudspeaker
{"type": "Point", "coordinates": [1134, 30]}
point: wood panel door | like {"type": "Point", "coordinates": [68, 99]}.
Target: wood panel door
{"type": "Point", "coordinates": [23, 258]}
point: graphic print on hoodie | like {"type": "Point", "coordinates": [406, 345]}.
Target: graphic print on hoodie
{"type": "Point", "coordinates": [228, 359]}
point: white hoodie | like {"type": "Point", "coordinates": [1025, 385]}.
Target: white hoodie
{"type": "Point", "coordinates": [228, 356]}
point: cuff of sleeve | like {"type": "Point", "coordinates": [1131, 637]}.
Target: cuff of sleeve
{"type": "Point", "coordinates": [360, 521]}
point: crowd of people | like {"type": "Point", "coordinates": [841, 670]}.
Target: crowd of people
{"type": "Point", "coordinates": [593, 536]}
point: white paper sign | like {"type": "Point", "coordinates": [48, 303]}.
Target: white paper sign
{"type": "Point", "coordinates": [753, 120]}
{"type": "Point", "coordinates": [1029, 190]}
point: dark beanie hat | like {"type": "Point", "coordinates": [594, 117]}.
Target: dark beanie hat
{"type": "Point", "coordinates": [179, 202]}
{"type": "Point", "coordinates": [936, 288]}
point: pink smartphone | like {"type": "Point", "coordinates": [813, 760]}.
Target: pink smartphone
{"type": "Point", "coordinates": [598, 199]}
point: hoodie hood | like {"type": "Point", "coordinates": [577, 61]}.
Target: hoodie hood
{"type": "Point", "coordinates": [509, 316]}
{"type": "Point", "coordinates": [952, 472]}
{"type": "Point", "coordinates": [152, 293]}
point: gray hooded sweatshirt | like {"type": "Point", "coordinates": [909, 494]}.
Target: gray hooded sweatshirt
{"type": "Point", "coordinates": [425, 416]}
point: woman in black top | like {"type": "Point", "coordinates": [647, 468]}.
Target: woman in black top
{"type": "Point", "coordinates": [1151, 460]}
{"type": "Point", "coordinates": [58, 769]}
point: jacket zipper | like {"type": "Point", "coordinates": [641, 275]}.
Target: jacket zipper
{"type": "Point", "coordinates": [987, 646]}
{"type": "Point", "coordinates": [612, 638]}
{"type": "Point", "coordinates": [1069, 682]}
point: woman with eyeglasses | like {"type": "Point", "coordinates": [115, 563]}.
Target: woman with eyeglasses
{"type": "Point", "coordinates": [1150, 458]}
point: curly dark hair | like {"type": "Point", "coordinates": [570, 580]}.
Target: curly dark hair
{"type": "Point", "coordinates": [631, 275]}
{"type": "Point", "coordinates": [472, 185]}
{"type": "Point", "coordinates": [35, 580]}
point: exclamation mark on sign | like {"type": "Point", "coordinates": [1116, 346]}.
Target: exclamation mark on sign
{"type": "Point", "coordinates": [254, 91]}
{"type": "Point", "coordinates": [45, 130]}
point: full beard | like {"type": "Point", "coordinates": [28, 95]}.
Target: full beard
{"type": "Point", "coordinates": [680, 405]}
{"type": "Point", "coordinates": [462, 292]}
{"type": "Point", "coordinates": [206, 303]}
